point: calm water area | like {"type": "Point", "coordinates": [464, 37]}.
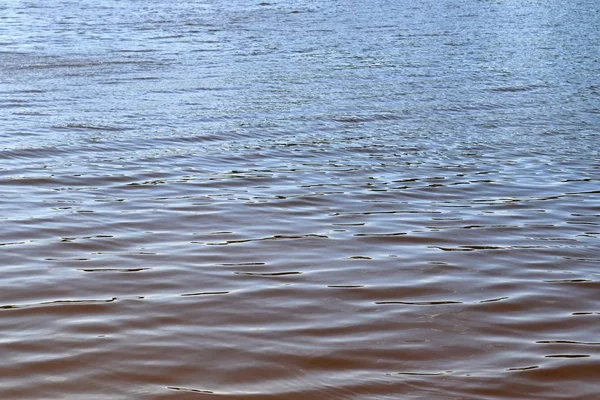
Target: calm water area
{"type": "Point", "coordinates": [297, 200]}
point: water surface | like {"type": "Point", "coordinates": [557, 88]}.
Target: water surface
{"type": "Point", "coordinates": [299, 200]}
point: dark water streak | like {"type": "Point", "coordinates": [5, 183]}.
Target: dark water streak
{"type": "Point", "coordinates": [299, 200]}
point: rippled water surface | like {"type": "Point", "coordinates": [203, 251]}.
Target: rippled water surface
{"type": "Point", "coordinates": [299, 199]}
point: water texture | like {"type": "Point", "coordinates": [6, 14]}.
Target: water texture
{"type": "Point", "coordinates": [299, 200]}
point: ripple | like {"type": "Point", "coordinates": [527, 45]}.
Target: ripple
{"type": "Point", "coordinates": [88, 126]}
{"type": "Point", "coordinates": [346, 286]}
{"type": "Point", "coordinates": [471, 248]}
{"type": "Point", "coordinates": [57, 303]}
{"type": "Point", "coordinates": [275, 237]}
{"type": "Point", "coordinates": [420, 373]}
{"type": "Point", "coordinates": [380, 235]}
{"type": "Point", "coordinates": [494, 300]}
{"type": "Point", "coordinates": [420, 303]}
{"type": "Point", "coordinates": [515, 89]}
{"type": "Point", "coordinates": [528, 368]}
{"type": "Point", "coordinates": [11, 243]}
{"type": "Point", "coordinates": [113, 269]}
{"type": "Point", "coordinates": [268, 273]}
{"type": "Point", "coordinates": [567, 356]}
{"type": "Point", "coordinates": [182, 389]}
{"type": "Point", "coordinates": [204, 293]}
{"type": "Point", "coordinates": [568, 342]}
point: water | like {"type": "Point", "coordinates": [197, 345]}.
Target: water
{"type": "Point", "coordinates": [299, 200]}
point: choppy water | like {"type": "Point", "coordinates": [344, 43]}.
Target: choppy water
{"type": "Point", "coordinates": [299, 199]}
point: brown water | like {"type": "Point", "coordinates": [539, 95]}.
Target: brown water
{"type": "Point", "coordinates": [299, 200]}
